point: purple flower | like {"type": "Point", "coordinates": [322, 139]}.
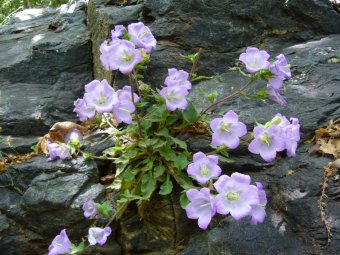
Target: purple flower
{"type": "Point", "coordinates": [275, 96]}
{"type": "Point", "coordinates": [204, 167]}
{"type": "Point", "coordinates": [124, 56]}
{"type": "Point", "coordinates": [279, 120]}
{"type": "Point", "coordinates": [105, 50]}
{"type": "Point", "coordinates": [258, 212]}
{"type": "Point", "coordinates": [255, 59]}
{"type": "Point", "coordinates": [292, 136]}
{"type": "Point", "coordinates": [236, 195]}
{"type": "Point", "coordinates": [125, 107]}
{"type": "Point", "coordinates": [227, 130]}
{"type": "Point", "coordinates": [175, 97]}
{"type": "Point", "coordinates": [177, 77]}
{"type": "Point", "coordinates": [60, 245]}
{"type": "Point", "coordinates": [74, 137]}
{"type": "Point", "coordinates": [90, 209]}
{"type": "Point", "coordinates": [101, 96]}
{"type": "Point", "coordinates": [276, 82]}
{"type": "Point", "coordinates": [57, 151]}
{"type": "Point", "coordinates": [117, 32]}
{"type": "Point", "coordinates": [142, 36]}
{"type": "Point", "coordinates": [98, 235]}
{"type": "Point", "coordinates": [83, 110]}
{"type": "Point", "coordinates": [281, 67]}
{"type": "Point", "coordinates": [267, 142]}
{"type": "Point", "coordinates": [201, 206]}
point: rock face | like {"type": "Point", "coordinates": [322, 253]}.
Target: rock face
{"type": "Point", "coordinates": [46, 58]}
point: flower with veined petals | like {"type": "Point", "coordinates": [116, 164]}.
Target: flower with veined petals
{"type": "Point", "coordinates": [280, 120]}
{"type": "Point", "coordinates": [124, 56]}
{"type": "Point", "coordinates": [267, 141]}
{"type": "Point", "coordinates": [201, 206]}
{"type": "Point", "coordinates": [258, 212]}
{"type": "Point", "coordinates": [83, 110]}
{"type": "Point", "coordinates": [74, 137]}
{"type": "Point", "coordinates": [255, 59]}
{"type": "Point", "coordinates": [60, 245]}
{"type": "Point", "coordinates": [105, 50]}
{"type": "Point", "coordinates": [142, 36]}
{"type": "Point", "coordinates": [235, 195]}
{"type": "Point", "coordinates": [90, 209]}
{"type": "Point", "coordinates": [175, 97]}
{"type": "Point", "coordinates": [275, 96]}
{"type": "Point", "coordinates": [98, 235]}
{"type": "Point", "coordinates": [57, 151]}
{"type": "Point", "coordinates": [101, 96]}
{"type": "Point", "coordinates": [204, 167]}
{"type": "Point", "coordinates": [117, 32]}
{"type": "Point", "coordinates": [178, 77]}
{"type": "Point", "coordinates": [281, 67]}
{"type": "Point", "coordinates": [125, 107]}
{"type": "Point", "coordinates": [292, 136]}
{"type": "Point", "coordinates": [227, 130]}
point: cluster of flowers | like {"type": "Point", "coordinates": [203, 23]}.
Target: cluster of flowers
{"type": "Point", "coordinates": [177, 88]}
{"type": "Point", "coordinates": [123, 55]}
{"type": "Point", "coordinates": [61, 244]}
{"type": "Point", "coordinates": [256, 60]}
{"type": "Point", "coordinates": [62, 150]}
{"type": "Point", "coordinates": [102, 98]}
{"type": "Point", "coordinates": [235, 194]}
{"type": "Point", "coordinates": [276, 135]}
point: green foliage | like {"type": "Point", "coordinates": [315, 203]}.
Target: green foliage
{"type": "Point", "coordinates": [9, 7]}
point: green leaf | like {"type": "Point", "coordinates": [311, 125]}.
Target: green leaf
{"type": "Point", "coordinates": [148, 185]}
{"type": "Point", "coordinates": [183, 200]}
{"type": "Point", "coordinates": [168, 153]}
{"type": "Point", "coordinates": [163, 132]}
{"type": "Point", "coordinates": [146, 124]}
{"type": "Point", "coordinates": [34, 148]}
{"type": "Point", "coordinates": [223, 159]}
{"type": "Point", "coordinates": [128, 175]}
{"type": "Point", "coordinates": [212, 96]}
{"type": "Point", "coordinates": [116, 184]}
{"type": "Point", "coordinates": [195, 77]}
{"type": "Point", "coordinates": [112, 151]}
{"type": "Point", "coordinates": [262, 94]}
{"type": "Point", "coordinates": [158, 115]}
{"type": "Point", "coordinates": [158, 171]}
{"type": "Point", "coordinates": [181, 162]}
{"type": "Point", "coordinates": [141, 104]}
{"type": "Point", "coordinates": [190, 114]}
{"type": "Point", "coordinates": [166, 187]}
{"type": "Point", "coordinates": [87, 156]}
{"type": "Point", "coordinates": [105, 209]}
{"type": "Point", "coordinates": [77, 249]}
{"type": "Point", "coordinates": [179, 142]}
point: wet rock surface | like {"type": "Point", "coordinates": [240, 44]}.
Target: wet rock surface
{"type": "Point", "coordinates": [45, 70]}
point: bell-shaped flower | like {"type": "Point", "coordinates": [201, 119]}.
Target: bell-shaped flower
{"type": "Point", "coordinates": [73, 137]}
{"type": "Point", "coordinates": [60, 245]}
{"type": "Point", "coordinates": [125, 107]}
{"type": "Point", "coordinates": [142, 36]}
{"type": "Point", "coordinates": [178, 77]}
{"type": "Point", "coordinates": [292, 136]}
{"type": "Point", "coordinates": [275, 96]}
{"type": "Point", "coordinates": [98, 235]}
{"type": "Point", "coordinates": [280, 120]}
{"type": "Point", "coordinates": [105, 54]}
{"type": "Point", "coordinates": [227, 130]}
{"type": "Point", "coordinates": [90, 209]}
{"type": "Point", "coordinates": [201, 206]}
{"type": "Point", "coordinates": [56, 150]}
{"type": "Point", "coordinates": [101, 96]}
{"type": "Point", "coordinates": [117, 32]}
{"type": "Point", "coordinates": [235, 195]}
{"type": "Point", "coordinates": [124, 56]}
{"type": "Point", "coordinates": [281, 67]}
{"type": "Point", "coordinates": [258, 212]}
{"type": "Point", "coordinates": [255, 59]}
{"type": "Point", "coordinates": [267, 141]}
{"type": "Point", "coordinates": [204, 167]}
{"type": "Point", "coordinates": [83, 110]}
{"type": "Point", "coordinates": [175, 97]}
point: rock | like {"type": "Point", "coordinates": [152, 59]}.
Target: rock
{"type": "Point", "coordinates": [17, 145]}
{"type": "Point", "coordinates": [44, 64]}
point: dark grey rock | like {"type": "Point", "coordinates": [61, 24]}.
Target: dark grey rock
{"type": "Point", "coordinates": [45, 62]}
{"type": "Point", "coordinates": [16, 145]}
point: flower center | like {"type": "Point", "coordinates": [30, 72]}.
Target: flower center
{"type": "Point", "coordinates": [232, 196]}
{"type": "Point", "coordinates": [101, 100]}
{"type": "Point", "coordinates": [265, 139]}
{"type": "Point", "coordinates": [225, 127]}
{"type": "Point", "coordinates": [255, 64]}
{"type": "Point", "coordinates": [127, 57]}
{"type": "Point", "coordinates": [170, 96]}
{"type": "Point", "coordinates": [204, 170]}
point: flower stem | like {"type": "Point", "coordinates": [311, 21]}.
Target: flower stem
{"type": "Point", "coordinates": [136, 81]}
{"type": "Point", "coordinates": [222, 148]}
{"type": "Point", "coordinates": [194, 65]}
{"type": "Point", "coordinates": [133, 101]}
{"type": "Point", "coordinates": [236, 93]}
